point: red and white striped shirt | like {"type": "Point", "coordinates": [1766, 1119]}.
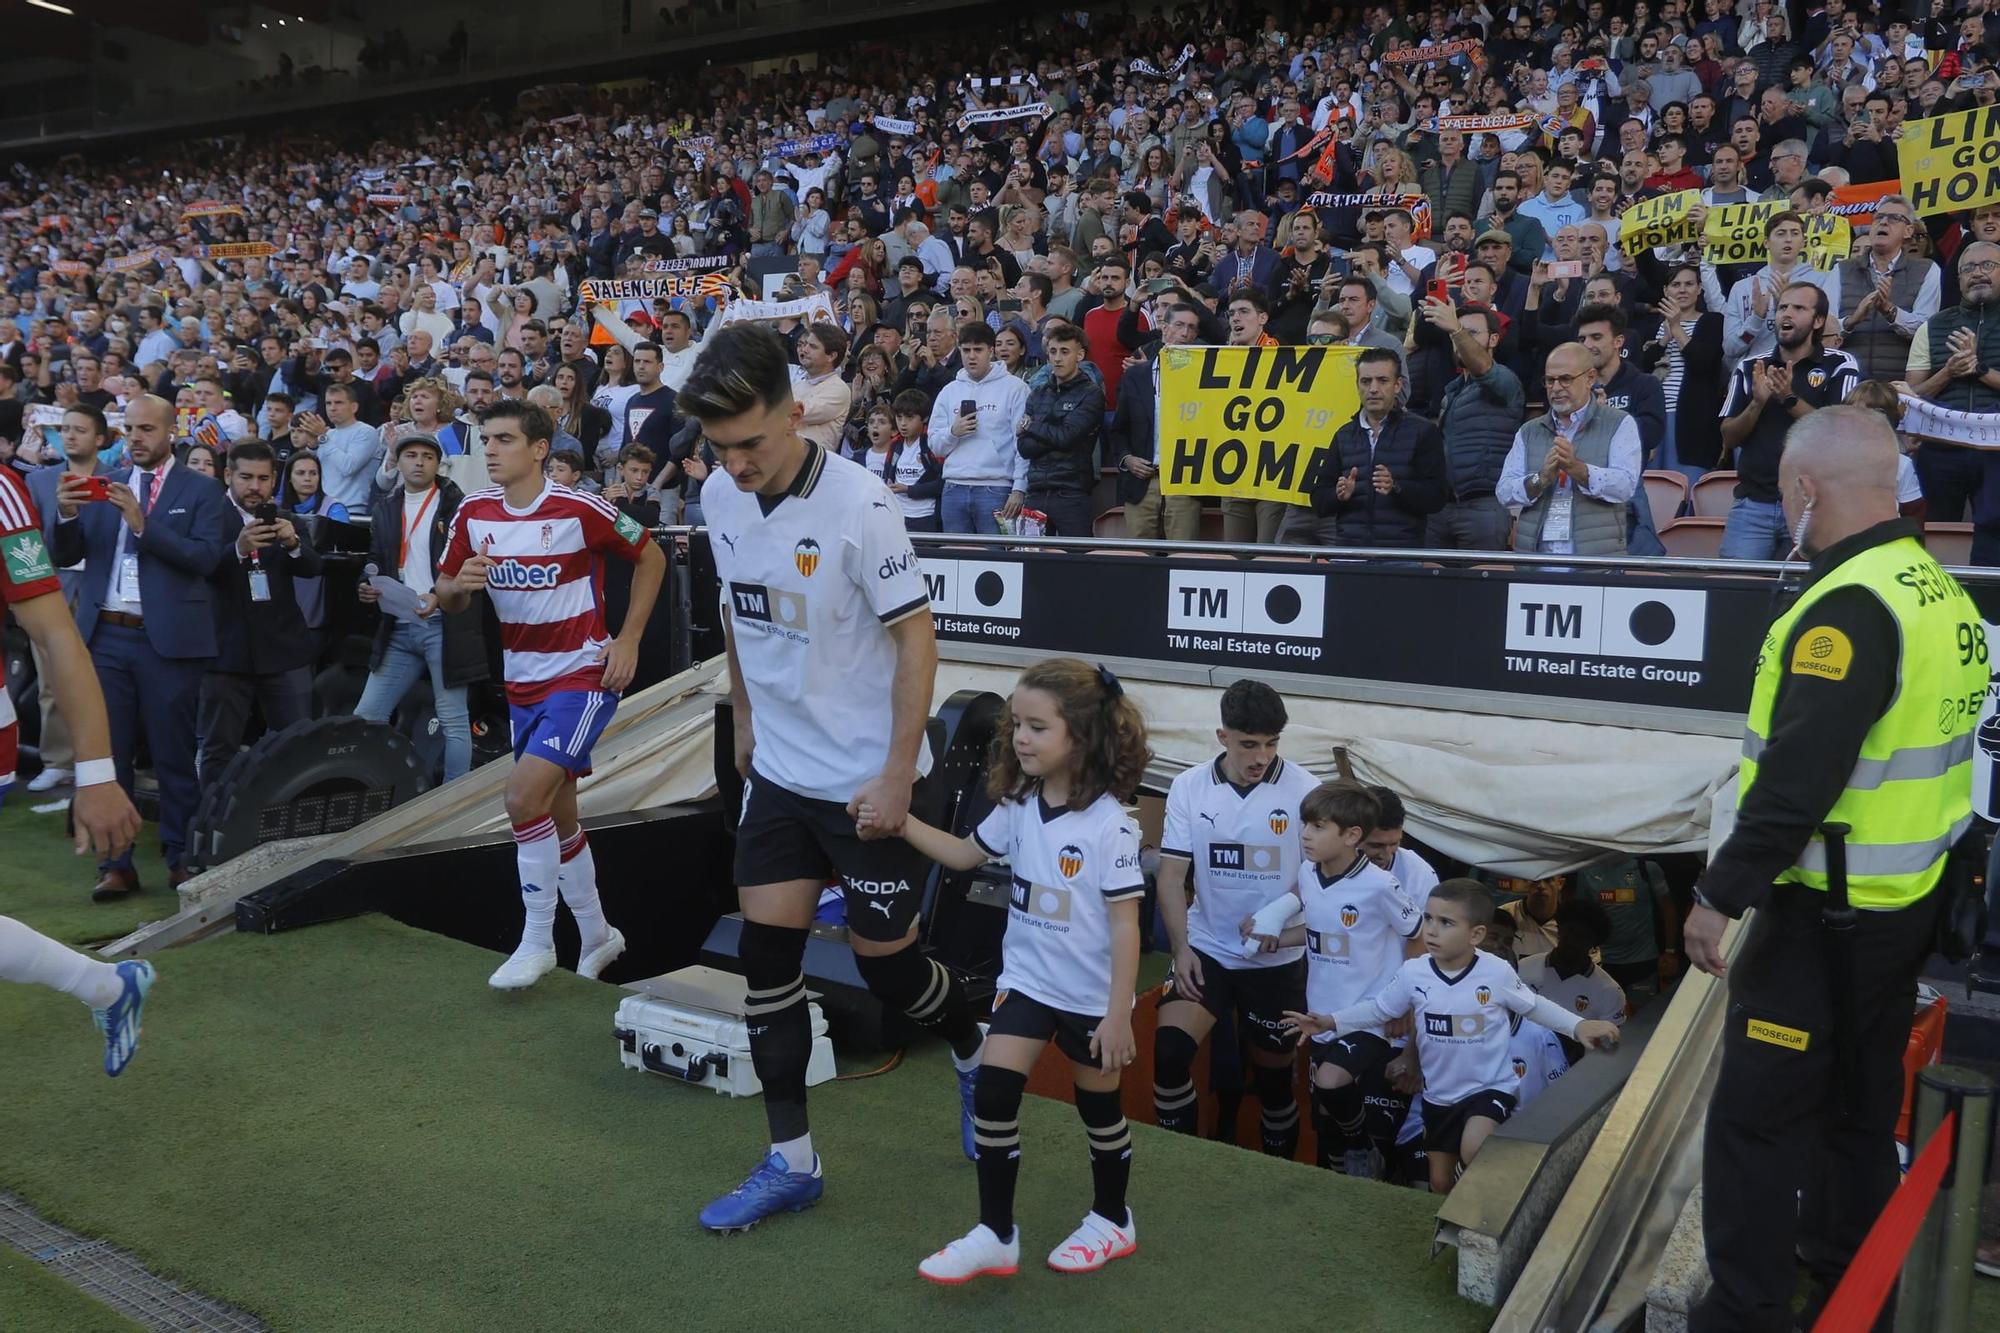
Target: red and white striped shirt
{"type": "Point", "coordinates": [26, 571]}
{"type": "Point", "coordinates": [547, 581]}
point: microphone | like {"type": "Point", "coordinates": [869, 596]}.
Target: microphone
{"type": "Point", "coordinates": [369, 571]}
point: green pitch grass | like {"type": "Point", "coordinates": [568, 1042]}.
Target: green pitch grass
{"type": "Point", "coordinates": [43, 882]}
{"type": "Point", "coordinates": [33, 1300]}
{"type": "Point", "coordinates": [344, 1128]}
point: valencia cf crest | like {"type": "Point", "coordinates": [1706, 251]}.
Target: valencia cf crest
{"type": "Point", "coordinates": [1520, 1067]}
{"type": "Point", "coordinates": [548, 537]}
{"type": "Point", "coordinates": [1070, 861]}
{"type": "Point", "coordinates": [806, 556]}
{"type": "Point", "coordinates": [1484, 995]}
{"type": "Point", "coordinates": [1349, 914]}
{"type": "Point", "coordinates": [1280, 821]}
{"type": "Point", "coordinates": [1583, 1004]}
{"type": "Point", "coordinates": [1815, 377]}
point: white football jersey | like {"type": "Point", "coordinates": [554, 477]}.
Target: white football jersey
{"type": "Point", "coordinates": [1416, 876]}
{"type": "Point", "coordinates": [1069, 867]}
{"type": "Point", "coordinates": [810, 585]}
{"type": "Point", "coordinates": [1592, 994]}
{"type": "Point", "coordinates": [1357, 924]}
{"type": "Point", "coordinates": [1538, 1058]}
{"type": "Point", "coordinates": [1242, 845]}
{"type": "Point", "coordinates": [1464, 1022]}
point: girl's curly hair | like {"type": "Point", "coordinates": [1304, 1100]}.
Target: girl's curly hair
{"type": "Point", "coordinates": [1105, 726]}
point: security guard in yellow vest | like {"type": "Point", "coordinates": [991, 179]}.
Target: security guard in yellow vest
{"type": "Point", "coordinates": [1862, 714]}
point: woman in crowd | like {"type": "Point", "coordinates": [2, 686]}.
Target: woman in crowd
{"type": "Point", "coordinates": [1681, 342]}
{"type": "Point", "coordinates": [201, 458]}
{"type": "Point", "coordinates": [301, 493]}
{"type": "Point", "coordinates": [580, 417]}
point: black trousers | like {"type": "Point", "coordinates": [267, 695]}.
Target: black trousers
{"type": "Point", "coordinates": [283, 697]}
{"type": "Point", "coordinates": [1069, 513]}
{"type": "Point", "coordinates": [1775, 1132]}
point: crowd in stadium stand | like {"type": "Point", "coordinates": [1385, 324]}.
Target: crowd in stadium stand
{"type": "Point", "coordinates": [978, 254]}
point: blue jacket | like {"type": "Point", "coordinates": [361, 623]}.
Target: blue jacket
{"type": "Point", "coordinates": [187, 535]}
{"type": "Point", "coordinates": [42, 485]}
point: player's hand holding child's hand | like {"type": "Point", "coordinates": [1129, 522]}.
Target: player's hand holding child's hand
{"type": "Point", "coordinates": [1305, 1024]}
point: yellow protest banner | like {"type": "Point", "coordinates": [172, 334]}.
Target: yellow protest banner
{"type": "Point", "coordinates": [1951, 162]}
{"type": "Point", "coordinates": [1735, 235]}
{"type": "Point", "coordinates": [1252, 423]}
{"type": "Point", "coordinates": [1661, 220]}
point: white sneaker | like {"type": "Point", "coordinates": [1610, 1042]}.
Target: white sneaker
{"type": "Point", "coordinates": [49, 779]}
{"type": "Point", "coordinates": [1094, 1244]}
{"type": "Point", "coordinates": [978, 1253]}
{"type": "Point", "coordinates": [605, 954]}
{"type": "Point", "coordinates": [523, 970]}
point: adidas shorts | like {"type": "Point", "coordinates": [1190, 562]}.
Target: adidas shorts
{"type": "Point", "coordinates": [562, 727]}
{"type": "Point", "coordinates": [1444, 1126]}
{"type": "Point", "coordinates": [1260, 994]}
{"type": "Point", "coordinates": [785, 836]}
{"type": "Point", "coordinates": [1018, 1015]}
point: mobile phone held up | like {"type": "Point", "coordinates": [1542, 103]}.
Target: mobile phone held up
{"type": "Point", "coordinates": [96, 488]}
{"type": "Point", "coordinates": [1437, 289]}
{"type": "Point", "coordinates": [1566, 268]}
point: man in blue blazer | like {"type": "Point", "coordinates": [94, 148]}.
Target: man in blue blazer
{"type": "Point", "coordinates": [146, 610]}
{"type": "Point", "coordinates": [84, 436]}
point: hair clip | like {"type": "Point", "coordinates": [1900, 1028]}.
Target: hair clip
{"type": "Point", "coordinates": [1112, 688]}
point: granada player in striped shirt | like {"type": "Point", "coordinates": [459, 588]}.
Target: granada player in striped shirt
{"type": "Point", "coordinates": [105, 819]}
{"type": "Point", "coordinates": [537, 549]}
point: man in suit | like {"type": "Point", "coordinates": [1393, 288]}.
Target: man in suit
{"type": "Point", "coordinates": [263, 650]}
{"type": "Point", "coordinates": [84, 435]}
{"type": "Point", "coordinates": [1148, 514]}
{"type": "Point", "coordinates": [146, 608]}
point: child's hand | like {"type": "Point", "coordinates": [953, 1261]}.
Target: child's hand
{"type": "Point", "coordinates": [1248, 930]}
{"type": "Point", "coordinates": [1112, 1043]}
{"type": "Point", "coordinates": [1598, 1034]}
{"type": "Point", "coordinates": [866, 817]}
{"type": "Point", "coordinates": [1306, 1025]}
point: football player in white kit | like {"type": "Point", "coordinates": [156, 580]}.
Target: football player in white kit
{"type": "Point", "coordinates": [832, 660]}
{"type": "Point", "coordinates": [1232, 835]}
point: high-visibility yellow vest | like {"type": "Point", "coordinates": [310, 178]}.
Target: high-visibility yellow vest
{"type": "Point", "coordinates": [1910, 794]}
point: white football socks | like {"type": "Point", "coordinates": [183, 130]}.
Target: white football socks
{"type": "Point", "coordinates": [577, 881]}
{"type": "Point", "coordinates": [798, 1153]}
{"type": "Point", "coordinates": [29, 956]}
{"type": "Point", "coordinates": [539, 855]}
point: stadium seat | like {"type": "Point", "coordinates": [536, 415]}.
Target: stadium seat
{"type": "Point", "coordinates": [1110, 523]}
{"type": "Point", "coordinates": [1695, 538]}
{"type": "Point", "coordinates": [1713, 494]}
{"type": "Point", "coordinates": [1667, 494]}
{"type": "Point", "coordinates": [1949, 543]}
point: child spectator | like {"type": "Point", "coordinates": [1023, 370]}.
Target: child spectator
{"type": "Point", "coordinates": [628, 489]}
{"type": "Point", "coordinates": [566, 469]}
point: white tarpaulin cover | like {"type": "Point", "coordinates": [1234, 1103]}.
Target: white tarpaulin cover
{"type": "Point", "coordinates": [1515, 795]}
{"type": "Point", "coordinates": [1521, 796]}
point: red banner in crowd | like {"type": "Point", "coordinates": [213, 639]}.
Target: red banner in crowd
{"type": "Point", "coordinates": [1857, 203]}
